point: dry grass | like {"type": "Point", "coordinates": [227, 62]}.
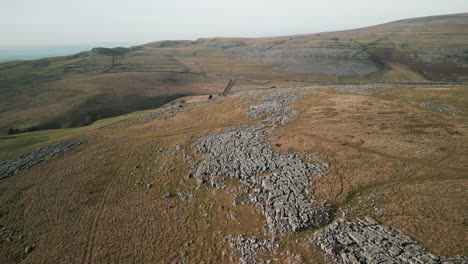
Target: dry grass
{"type": "Point", "coordinates": [415, 159]}
{"type": "Point", "coordinates": [44, 93]}
{"type": "Point", "coordinates": [75, 98]}
{"type": "Point", "coordinates": [86, 206]}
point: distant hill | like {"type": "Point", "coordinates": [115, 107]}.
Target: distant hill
{"type": "Point", "coordinates": [79, 89]}
{"type": "Point", "coordinates": [33, 52]}
{"type": "Point", "coordinates": [286, 162]}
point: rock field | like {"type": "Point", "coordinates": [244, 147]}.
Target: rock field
{"type": "Point", "coordinates": [360, 89]}
{"type": "Point", "coordinates": [167, 110]}
{"type": "Point", "coordinates": [11, 167]}
{"type": "Point", "coordinates": [368, 241]}
{"type": "Point", "coordinates": [278, 183]}
{"type": "Point", "coordinates": [249, 247]}
{"type": "Point", "coordinates": [442, 108]}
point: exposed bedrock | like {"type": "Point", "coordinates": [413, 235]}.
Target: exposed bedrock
{"type": "Point", "coordinates": [11, 167]}
{"type": "Point", "coordinates": [249, 247]}
{"type": "Point", "coordinates": [428, 55]}
{"type": "Point", "coordinates": [332, 58]}
{"type": "Point", "coordinates": [278, 183]}
{"type": "Point", "coordinates": [368, 241]}
{"type": "Point", "coordinates": [167, 110]}
{"type": "Point", "coordinates": [275, 107]}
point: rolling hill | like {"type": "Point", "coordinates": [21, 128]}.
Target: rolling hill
{"type": "Point", "coordinates": [280, 174]}
{"type": "Point", "coordinates": [77, 90]}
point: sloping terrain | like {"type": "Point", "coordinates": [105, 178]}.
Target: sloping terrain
{"type": "Point", "coordinates": [77, 90]}
{"type": "Point", "coordinates": [255, 176]}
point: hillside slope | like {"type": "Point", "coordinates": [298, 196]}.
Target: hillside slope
{"type": "Point", "coordinates": [79, 89]}
{"type": "Point", "coordinates": [254, 176]}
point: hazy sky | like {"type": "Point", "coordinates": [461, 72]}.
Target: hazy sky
{"type": "Point", "coordinates": [57, 22]}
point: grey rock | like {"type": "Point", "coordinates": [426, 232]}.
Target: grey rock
{"type": "Point", "coordinates": [164, 111]}
{"type": "Point", "coordinates": [278, 184]}
{"type": "Point", "coordinates": [368, 241]}
{"type": "Point", "coordinates": [361, 89]}
{"type": "Point", "coordinates": [186, 196]}
{"type": "Point", "coordinates": [26, 161]}
{"type": "Point", "coordinates": [250, 247]}
{"type": "Point", "coordinates": [442, 108]}
{"type": "Point", "coordinates": [293, 55]}
{"type": "Point", "coordinates": [28, 249]}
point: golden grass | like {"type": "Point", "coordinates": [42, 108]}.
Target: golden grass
{"type": "Point", "coordinates": [88, 208]}
{"type": "Point", "coordinates": [414, 158]}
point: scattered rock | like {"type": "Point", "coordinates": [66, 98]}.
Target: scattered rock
{"type": "Point", "coordinates": [361, 89]}
{"type": "Point", "coordinates": [282, 193]}
{"type": "Point", "coordinates": [275, 107]}
{"type": "Point", "coordinates": [368, 241]}
{"type": "Point", "coordinates": [11, 167]}
{"type": "Point", "coordinates": [442, 108]}
{"type": "Point", "coordinates": [168, 110]}
{"type": "Point", "coordinates": [28, 248]}
{"type": "Point", "coordinates": [249, 247]}
{"type": "Point", "coordinates": [186, 196]}
{"type": "Point", "coordinates": [279, 184]}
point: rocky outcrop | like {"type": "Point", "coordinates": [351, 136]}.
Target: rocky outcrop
{"type": "Point", "coordinates": [11, 167]}
{"type": "Point", "coordinates": [278, 183]}
{"type": "Point", "coordinates": [442, 108]}
{"type": "Point", "coordinates": [275, 107]}
{"type": "Point", "coordinates": [368, 241]}
{"type": "Point", "coordinates": [249, 247]}
{"type": "Point", "coordinates": [294, 55]}
{"type": "Point", "coordinates": [167, 110]}
{"type": "Point", "coordinates": [360, 89]}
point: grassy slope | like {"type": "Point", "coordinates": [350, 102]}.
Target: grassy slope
{"type": "Point", "coordinates": [76, 90]}
{"type": "Point", "coordinates": [86, 206]}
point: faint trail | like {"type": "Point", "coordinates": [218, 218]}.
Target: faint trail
{"type": "Point", "coordinates": [91, 240]}
{"type": "Point", "coordinates": [383, 154]}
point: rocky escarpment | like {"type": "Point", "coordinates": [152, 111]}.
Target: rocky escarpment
{"type": "Point", "coordinates": [346, 56]}
{"type": "Point", "coordinates": [368, 241]}
{"type": "Point", "coordinates": [294, 55]}
{"type": "Point", "coordinates": [278, 183]}
{"type": "Point", "coordinates": [11, 167]}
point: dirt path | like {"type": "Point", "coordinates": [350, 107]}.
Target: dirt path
{"type": "Point", "coordinates": [91, 240]}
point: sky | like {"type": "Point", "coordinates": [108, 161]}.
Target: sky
{"type": "Point", "coordinates": [66, 22]}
